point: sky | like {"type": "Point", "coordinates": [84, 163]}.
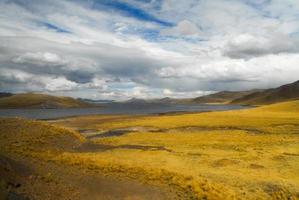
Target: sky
{"type": "Point", "coordinates": [122, 49]}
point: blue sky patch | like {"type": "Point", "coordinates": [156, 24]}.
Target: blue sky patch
{"type": "Point", "coordinates": [257, 4]}
{"type": "Point", "coordinates": [129, 10]}
{"type": "Point", "coordinates": [53, 27]}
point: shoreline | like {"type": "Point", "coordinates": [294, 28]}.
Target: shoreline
{"type": "Point", "coordinates": [55, 114]}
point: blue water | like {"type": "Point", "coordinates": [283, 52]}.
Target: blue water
{"type": "Point", "coordinates": [114, 108]}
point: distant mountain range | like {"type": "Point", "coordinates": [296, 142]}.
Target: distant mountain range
{"type": "Point", "coordinates": [5, 94]}
{"type": "Point", "coordinates": [92, 101]}
{"type": "Point", "coordinates": [252, 97]}
{"type": "Point", "coordinates": [224, 97]}
{"type": "Point", "coordinates": [166, 100]}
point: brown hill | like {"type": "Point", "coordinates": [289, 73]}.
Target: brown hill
{"type": "Point", "coordinates": [31, 100]}
{"type": "Point", "coordinates": [283, 93]}
{"type": "Point", "coordinates": [222, 97]}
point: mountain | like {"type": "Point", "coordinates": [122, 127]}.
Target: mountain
{"type": "Point", "coordinates": [31, 100]}
{"type": "Point", "coordinates": [223, 97]}
{"type": "Point", "coordinates": [5, 94]}
{"type": "Point", "coordinates": [92, 101]}
{"type": "Point", "coordinates": [283, 93]}
{"type": "Point", "coordinates": [165, 100]}
{"type": "Point", "coordinates": [288, 106]}
{"type": "Point", "coordinates": [136, 101]}
{"type": "Point", "coordinates": [170, 100]}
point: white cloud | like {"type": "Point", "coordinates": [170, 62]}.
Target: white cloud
{"type": "Point", "coordinates": [247, 45]}
{"type": "Point", "coordinates": [40, 59]}
{"type": "Point", "coordinates": [214, 45]}
{"type": "Point", "coordinates": [184, 28]}
{"type": "Point", "coordinates": [24, 81]}
{"type": "Point", "coordinates": [167, 92]}
{"type": "Point", "coordinates": [57, 83]}
{"type": "Point", "coordinates": [14, 75]}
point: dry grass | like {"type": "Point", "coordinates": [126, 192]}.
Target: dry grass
{"type": "Point", "coordinates": [20, 135]}
{"type": "Point", "coordinates": [244, 163]}
{"type": "Point", "coordinates": [278, 118]}
{"type": "Point", "coordinates": [245, 154]}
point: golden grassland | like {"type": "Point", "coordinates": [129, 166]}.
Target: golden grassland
{"type": "Point", "coordinates": [270, 119]}
{"type": "Point", "coordinates": [244, 154]}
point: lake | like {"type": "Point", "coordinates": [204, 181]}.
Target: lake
{"type": "Point", "coordinates": [114, 108]}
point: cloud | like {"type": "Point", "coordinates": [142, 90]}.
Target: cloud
{"type": "Point", "coordinates": [233, 74]}
{"type": "Point", "coordinates": [130, 10]}
{"type": "Point", "coordinates": [185, 28]}
{"type": "Point", "coordinates": [39, 58]}
{"type": "Point", "coordinates": [57, 83]}
{"type": "Point", "coordinates": [123, 49]}
{"type": "Point", "coordinates": [248, 46]}
{"type": "Point", "coordinates": [30, 82]}
{"type": "Point", "coordinates": [79, 63]}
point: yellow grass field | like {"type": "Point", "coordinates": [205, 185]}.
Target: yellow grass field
{"type": "Point", "coordinates": [244, 154]}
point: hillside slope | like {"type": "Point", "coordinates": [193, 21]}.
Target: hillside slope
{"type": "Point", "coordinates": [287, 107]}
{"type": "Point", "coordinates": [37, 135]}
{"type": "Point", "coordinates": [283, 93]}
{"type": "Point", "coordinates": [30, 100]}
{"type": "Point", "coordinates": [5, 94]}
{"type": "Point", "coordinates": [222, 97]}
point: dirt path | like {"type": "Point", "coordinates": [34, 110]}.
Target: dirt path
{"type": "Point", "coordinates": [26, 178]}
